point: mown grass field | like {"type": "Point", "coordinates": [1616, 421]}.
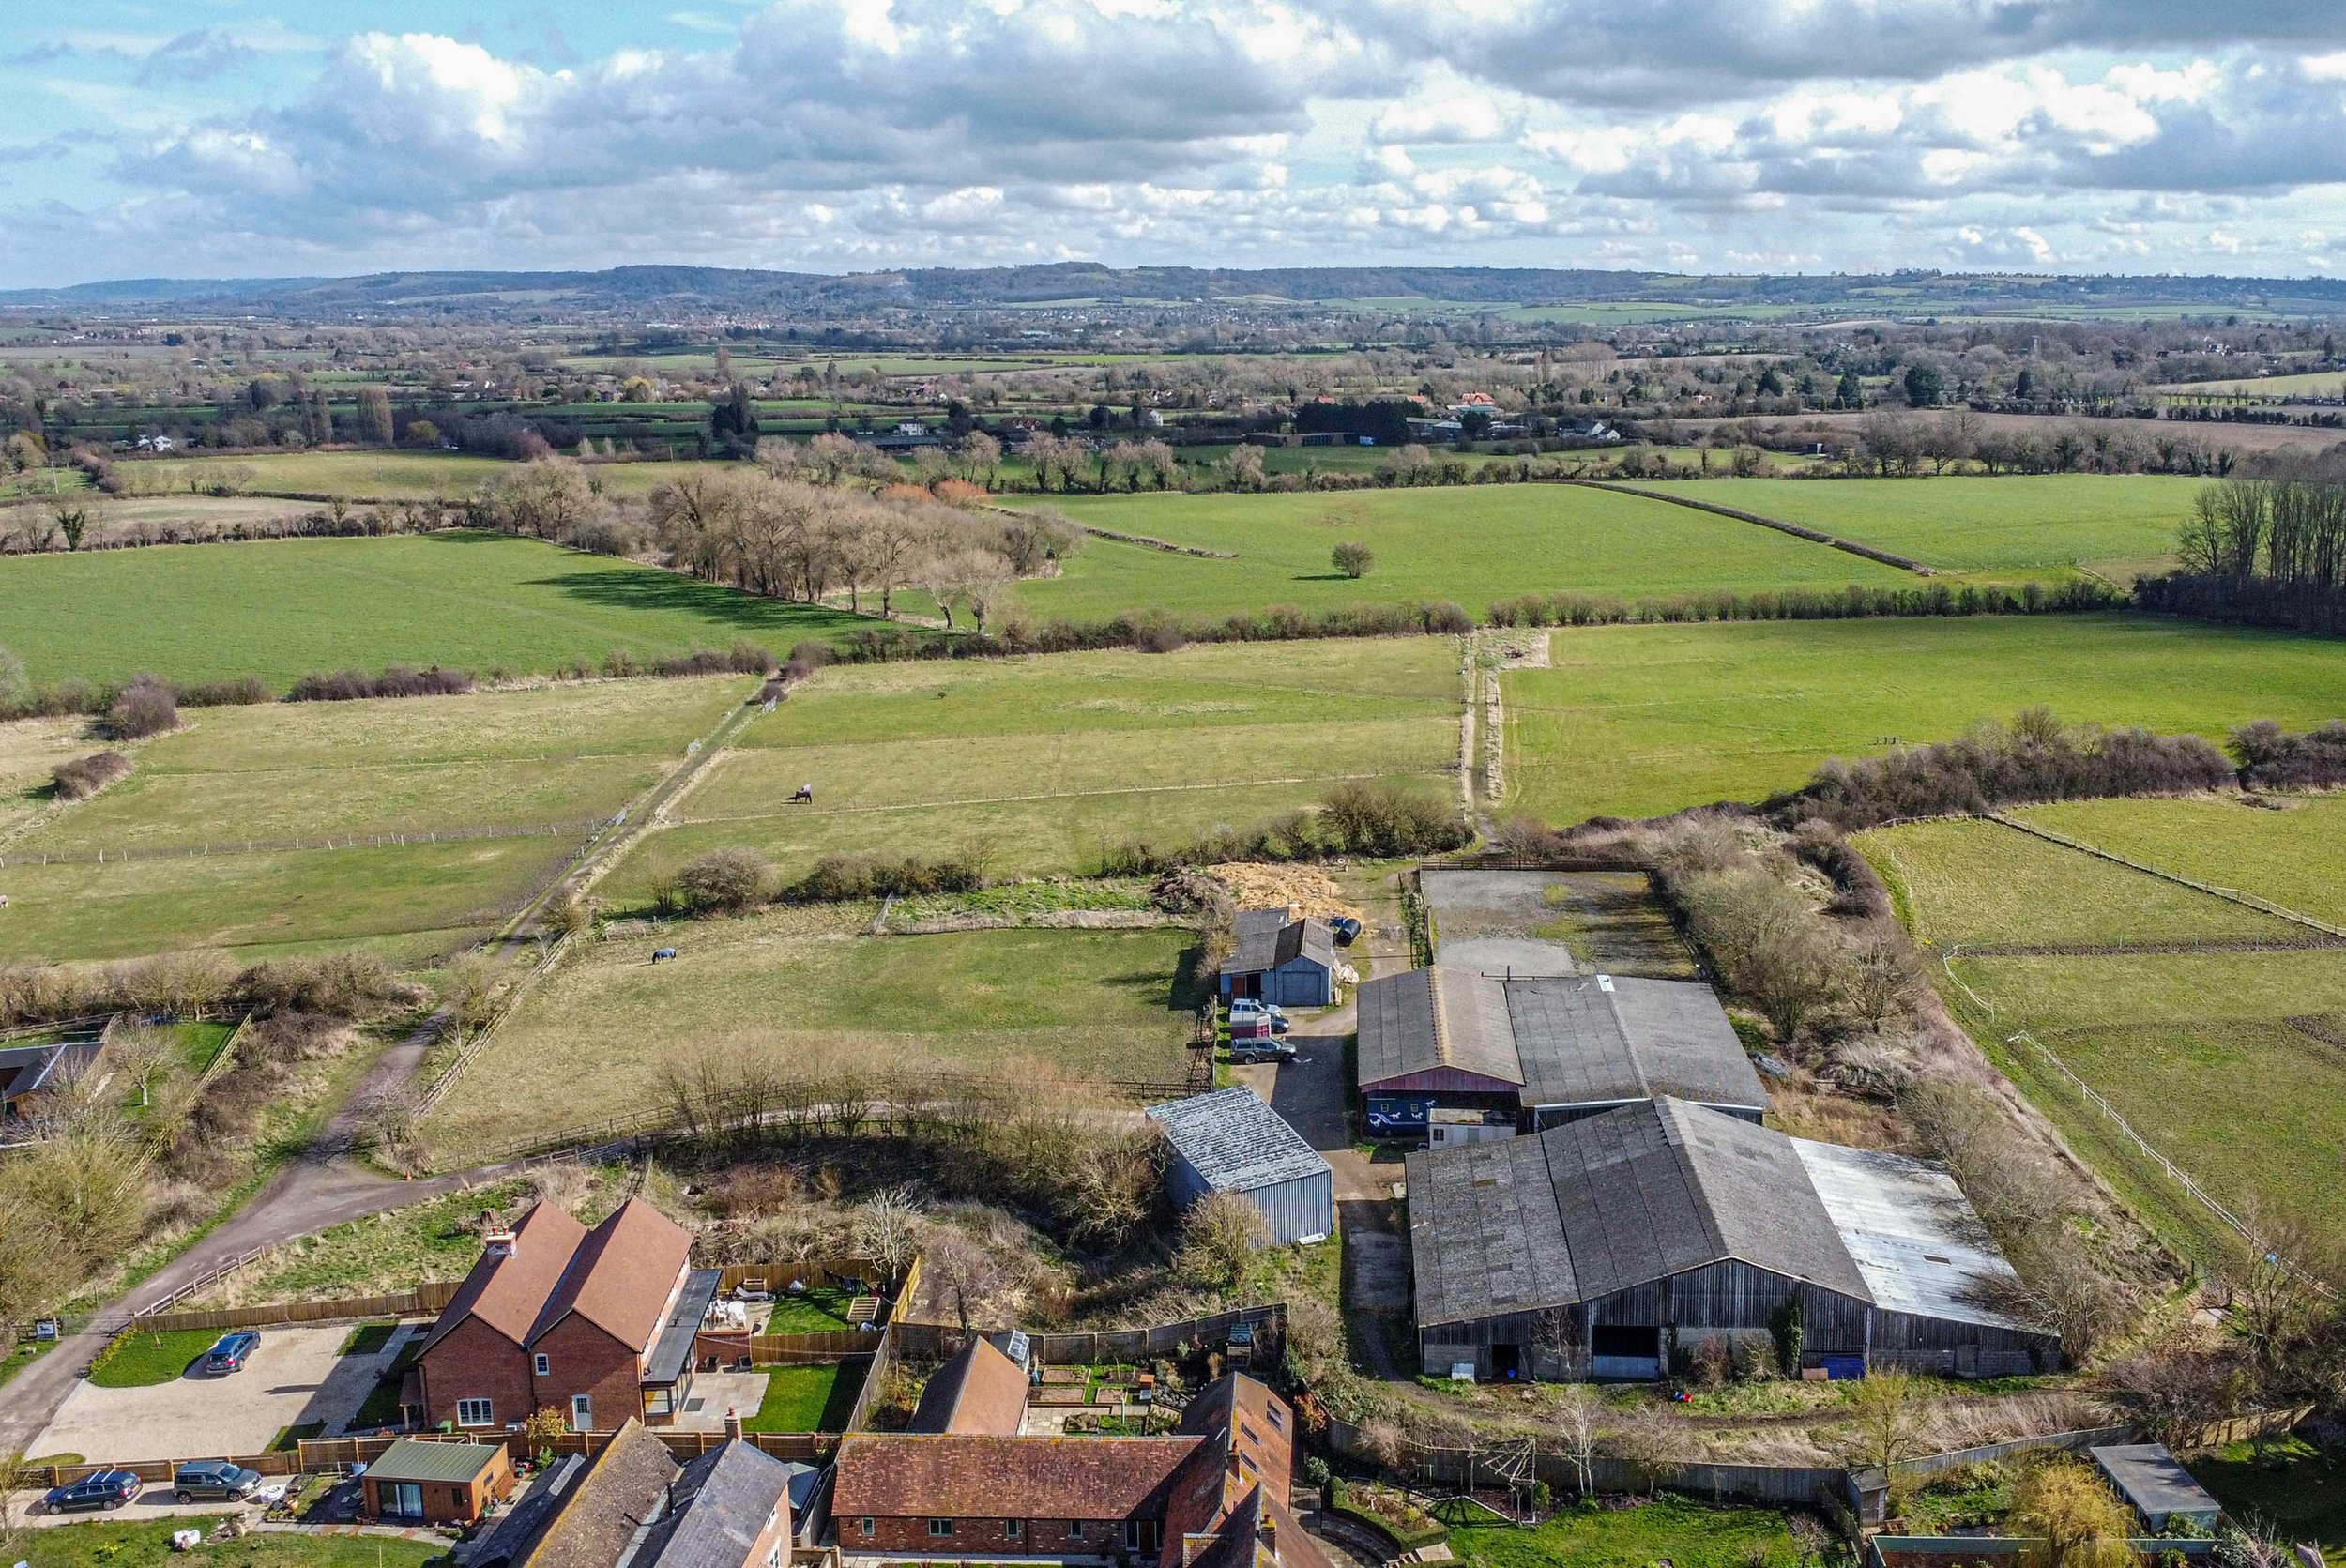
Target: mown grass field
{"type": "Point", "coordinates": [1042, 761]}
{"type": "Point", "coordinates": [559, 755]}
{"type": "Point", "coordinates": [2232, 1063]}
{"type": "Point", "coordinates": [1672, 1530]}
{"type": "Point", "coordinates": [147, 1543]}
{"type": "Point", "coordinates": [588, 1043]}
{"type": "Point", "coordinates": [1469, 545]}
{"type": "Point", "coordinates": [1633, 721]}
{"type": "Point", "coordinates": [2017, 525]}
{"type": "Point", "coordinates": [277, 609]}
{"type": "Point", "coordinates": [2294, 858]}
{"type": "Point", "coordinates": [1973, 883]}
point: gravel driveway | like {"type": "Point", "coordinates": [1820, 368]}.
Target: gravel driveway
{"type": "Point", "coordinates": [297, 1375]}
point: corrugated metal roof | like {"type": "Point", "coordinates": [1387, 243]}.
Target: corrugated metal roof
{"type": "Point", "coordinates": [1235, 1142]}
{"type": "Point", "coordinates": [413, 1459]}
{"type": "Point", "coordinates": [1911, 1232]}
{"type": "Point", "coordinates": [1612, 1201]}
{"type": "Point", "coordinates": [1600, 1039]}
{"type": "Point", "coordinates": [1422, 1019]}
{"type": "Point", "coordinates": [1269, 937]}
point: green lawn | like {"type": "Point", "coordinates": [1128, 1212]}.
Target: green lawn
{"type": "Point", "coordinates": [819, 1310]}
{"type": "Point", "coordinates": [1042, 761]}
{"type": "Point", "coordinates": [1973, 883]}
{"type": "Point", "coordinates": [1686, 1534]}
{"type": "Point", "coordinates": [559, 755]}
{"type": "Point", "coordinates": [396, 1250]}
{"type": "Point", "coordinates": [1633, 721]}
{"type": "Point", "coordinates": [1472, 544]}
{"type": "Point", "coordinates": [136, 1361]}
{"type": "Point", "coordinates": [809, 1398]}
{"type": "Point", "coordinates": [799, 985]}
{"type": "Point", "coordinates": [278, 609]}
{"type": "Point", "coordinates": [2017, 525]}
{"type": "Point", "coordinates": [147, 1545]}
{"type": "Point", "coordinates": [2296, 858]}
{"type": "Point", "coordinates": [2289, 1488]}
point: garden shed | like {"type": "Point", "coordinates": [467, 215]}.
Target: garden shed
{"type": "Point", "coordinates": [1616, 1246]}
{"type": "Point", "coordinates": [2156, 1486]}
{"type": "Point", "coordinates": [418, 1482]}
{"type": "Point", "coordinates": [1229, 1141]}
{"type": "Point", "coordinates": [1281, 960]}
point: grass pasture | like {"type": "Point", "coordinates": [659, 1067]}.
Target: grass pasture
{"type": "Point", "coordinates": [280, 772]}
{"type": "Point", "coordinates": [1634, 721]}
{"type": "Point", "coordinates": [280, 608]}
{"type": "Point", "coordinates": [2230, 1062]}
{"type": "Point", "coordinates": [588, 1043]}
{"type": "Point", "coordinates": [2294, 857]}
{"type": "Point", "coordinates": [2018, 527]}
{"type": "Point", "coordinates": [147, 1543]}
{"type": "Point", "coordinates": [1042, 761]}
{"type": "Point", "coordinates": [1471, 545]}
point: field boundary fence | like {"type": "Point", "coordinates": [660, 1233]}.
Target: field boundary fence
{"type": "Point", "coordinates": [2232, 895]}
{"type": "Point", "coordinates": [445, 1080]}
{"type": "Point", "coordinates": [1814, 536]}
{"type": "Point", "coordinates": [304, 843]}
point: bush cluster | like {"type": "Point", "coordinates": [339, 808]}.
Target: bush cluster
{"type": "Point", "coordinates": [85, 777]}
{"type": "Point", "coordinates": [1854, 602]}
{"type": "Point", "coordinates": [1377, 818]}
{"type": "Point", "coordinates": [145, 706]}
{"type": "Point", "coordinates": [838, 878]}
{"type": "Point", "coordinates": [1159, 631]}
{"type": "Point", "coordinates": [180, 984]}
{"type": "Point", "coordinates": [397, 680]}
{"type": "Point", "coordinates": [2272, 758]}
{"type": "Point", "coordinates": [2034, 757]}
{"type": "Point", "coordinates": [741, 657]}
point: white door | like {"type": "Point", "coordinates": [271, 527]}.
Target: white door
{"type": "Point", "coordinates": [581, 1412]}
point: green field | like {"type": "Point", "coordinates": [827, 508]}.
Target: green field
{"type": "Point", "coordinates": [276, 610]}
{"type": "Point", "coordinates": [1974, 883]}
{"type": "Point", "coordinates": [2018, 525]}
{"type": "Point", "coordinates": [2232, 1063]}
{"type": "Point", "coordinates": [374, 476]}
{"type": "Point", "coordinates": [559, 755]}
{"type": "Point", "coordinates": [2302, 384]}
{"type": "Point", "coordinates": [1472, 544]}
{"type": "Point", "coordinates": [2294, 858]}
{"type": "Point", "coordinates": [1044, 760]}
{"type": "Point", "coordinates": [1633, 721]}
{"type": "Point", "coordinates": [1686, 1534]}
{"type": "Point", "coordinates": [801, 984]}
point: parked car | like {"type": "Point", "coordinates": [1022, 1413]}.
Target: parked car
{"type": "Point", "coordinates": [1262, 1050]}
{"type": "Point", "coordinates": [231, 1353]}
{"type": "Point", "coordinates": [106, 1489]}
{"type": "Point", "coordinates": [1346, 929]}
{"type": "Point", "coordinates": [207, 1479]}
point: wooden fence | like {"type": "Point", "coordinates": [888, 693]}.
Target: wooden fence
{"type": "Point", "coordinates": [398, 1303]}
{"type": "Point", "coordinates": [936, 1340]}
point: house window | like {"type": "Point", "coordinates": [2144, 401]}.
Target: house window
{"type": "Point", "coordinates": [1278, 1422]}
{"type": "Point", "coordinates": [774, 1556]}
{"type": "Point", "coordinates": [1013, 1528]}
{"type": "Point", "coordinates": [1074, 1529]}
{"type": "Point", "coordinates": [867, 1526]}
{"type": "Point", "coordinates": [476, 1413]}
{"type": "Point", "coordinates": [403, 1500]}
{"type": "Point", "coordinates": [545, 1364]}
{"type": "Point", "coordinates": [938, 1529]}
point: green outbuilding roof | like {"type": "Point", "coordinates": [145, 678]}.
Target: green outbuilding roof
{"type": "Point", "coordinates": [414, 1460]}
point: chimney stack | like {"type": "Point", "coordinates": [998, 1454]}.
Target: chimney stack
{"type": "Point", "coordinates": [499, 1243]}
{"type": "Point", "coordinates": [1269, 1534]}
{"type": "Point", "coordinates": [733, 1424]}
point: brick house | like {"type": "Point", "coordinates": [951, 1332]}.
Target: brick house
{"type": "Point", "coordinates": [1216, 1488]}
{"type": "Point", "coordinates": [596, 1323]}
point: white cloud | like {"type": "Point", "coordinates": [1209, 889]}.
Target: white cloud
{"type": "Point", "coordinates": [1471, 118]}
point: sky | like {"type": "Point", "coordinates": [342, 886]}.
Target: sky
{"type": "Point", "coordinates": [183, 138]}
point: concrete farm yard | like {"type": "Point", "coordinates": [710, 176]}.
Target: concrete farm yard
{"type": "Point", "coordinates": [1042, 763]}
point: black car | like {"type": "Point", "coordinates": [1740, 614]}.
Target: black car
{"type": "Point", "coordinates": [232, 1352]}
{"type": "Point", "coordinates": [207, 1479]}
{"type": "Point", "coordinates": [106, 1489]}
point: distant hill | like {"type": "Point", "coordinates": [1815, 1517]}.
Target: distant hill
{"type": "Point", "coordinates": [702, 291]}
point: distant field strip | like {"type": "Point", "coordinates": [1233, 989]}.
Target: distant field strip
{"type": "Point", "coordinates": [2293, 856]}
{"type": "Point", "coordinates": [1018, 799]}
{"type": "Point", "coordinates": [2231, 895]}
{"type": "Point", "coordinates": [1761, 520]}
{"type": "Point", "coordinates": [250, 847]}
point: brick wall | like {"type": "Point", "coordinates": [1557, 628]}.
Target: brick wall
{"type": "Point", "coordinates": [475, 1361]}
{"type": "Point", "coordinates": [988, 1537]}
{"type": "Point", "coordinates": [583, 1359]}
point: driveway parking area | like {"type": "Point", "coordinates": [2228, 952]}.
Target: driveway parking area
{"type": "Point", "coordinates": [298, 1375]}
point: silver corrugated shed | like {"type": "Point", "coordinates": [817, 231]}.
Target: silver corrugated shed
{"type": "Point", "coordinates": [1606, 1041]}
{"type": "Point", "coordinates": [1230, 1142]}
{"type": "Point", "coordinates": [1913, 1235]}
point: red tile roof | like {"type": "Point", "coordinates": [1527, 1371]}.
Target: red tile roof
{"type": "Point", "coordinates": [916, 1475]}
{"type": "Point", "coordinates": [507, 1291]}
{"type": "Point", "coordinates": [980, 1393]}
{"type": "Point", "coordinates": [621, 1275]}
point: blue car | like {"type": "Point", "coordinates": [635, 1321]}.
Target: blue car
{"type": "Point", "coordinates": [106, 1489]}
{"type": "Point", "coordinates": [231, 1353]}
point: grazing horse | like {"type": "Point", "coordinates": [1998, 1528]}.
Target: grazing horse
{"type": "Point", "coordinates": [659, 953]}
{"type": "Point", "coordinates": [805, 795]}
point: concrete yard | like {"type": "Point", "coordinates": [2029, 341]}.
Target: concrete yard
{"type": "Point", "coordinates": [298, 1375]}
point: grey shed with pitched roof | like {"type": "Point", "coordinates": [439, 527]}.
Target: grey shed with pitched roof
{"type": "Point", "coordinates": [1279, 959]}
{"type": "Point", "coordinates": [1230, 1142]}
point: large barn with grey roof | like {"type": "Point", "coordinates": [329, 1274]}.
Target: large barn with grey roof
{"type": "Point", "coordinates": [1600, 1247]}
{"type": "Point", "coordinates": [1525, 1053]}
